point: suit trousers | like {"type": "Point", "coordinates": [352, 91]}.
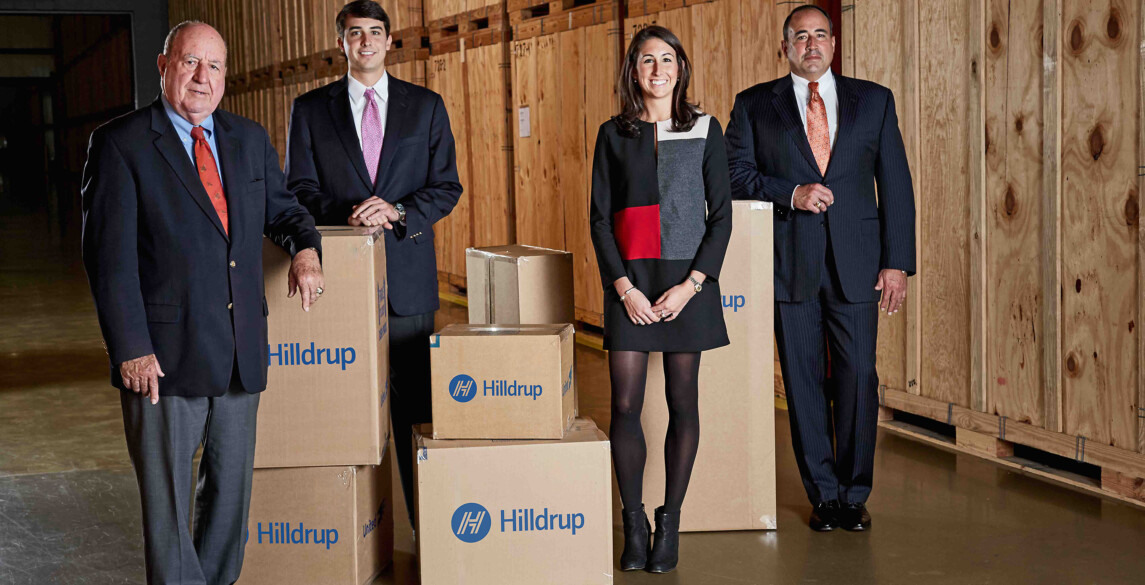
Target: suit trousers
{"type": "Point", "coordinates": [409, 389]}
{"type": "Point", "coordinates": [805, 331]}
{"type": "Point", "coordinates": [162, 440]}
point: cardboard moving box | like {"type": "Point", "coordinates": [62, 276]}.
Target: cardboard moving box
{"type": "Point", "coordinates": [326, 401]}
{"type": "Point", "coordinates": [515, 512]}
{"type": "Point", "coordinates": [319, 525]}
{"type": "Point", "coordinates": [502, 382]}
{"type": "Point", "coordinates": [516, 284]}
{"type": "Point", "coordinates": [733, 482]}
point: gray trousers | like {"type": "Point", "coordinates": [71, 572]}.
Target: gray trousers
{"type": "Point", "coordinates": [162, 440]}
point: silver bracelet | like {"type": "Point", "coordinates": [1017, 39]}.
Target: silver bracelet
{"type": "Point", "coordinates": [625, 295]}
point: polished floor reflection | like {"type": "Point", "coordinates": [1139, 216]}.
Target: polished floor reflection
{"type": "Point", "coordinates": [69, 507]}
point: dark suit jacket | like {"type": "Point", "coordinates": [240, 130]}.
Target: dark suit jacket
{"type": "Point", "coordinates": [159, 262]}
{"type": "Point", "coordinates": [327, 172]}
{"type": "Point", "coordinates": [769, 155]}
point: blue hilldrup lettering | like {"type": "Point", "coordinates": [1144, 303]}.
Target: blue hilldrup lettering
{"type": "Point", "coordinates": [283, 533]}
{"type": "Point", "coordinates": [295, 354]}
{"type": "Point", "coordinates": [734, 302]}
{"type": "Point", "coordinates": [531, 520]}
{"type": "Point", "coordinates": [374, 522]}
{"type": "Point", "coordinates": [500, 388]}
{"type": "Point", "coordinates": [567, 384]}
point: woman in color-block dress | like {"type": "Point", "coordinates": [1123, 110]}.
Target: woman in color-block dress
{"type": "Point", "coordinates": [661, 218]}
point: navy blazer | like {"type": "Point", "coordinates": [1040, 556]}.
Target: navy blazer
{"type": "Point", "coordinates": [326, 170]}
{"type": "Point", "coordinates": [769, 155]}
{"type": "Point", "coordinates": [166, 277]}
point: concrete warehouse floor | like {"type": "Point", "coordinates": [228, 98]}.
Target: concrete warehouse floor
{"type": "Point", "coordinates": [69, 506]}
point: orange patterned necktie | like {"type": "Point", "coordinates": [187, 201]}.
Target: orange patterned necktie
{"type": "Point", "coordinates": [209, 175]}
{"type": "Point", "coordinates": [818, 132]}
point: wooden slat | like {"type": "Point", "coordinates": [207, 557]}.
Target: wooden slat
{"type": "Point", "coordinates": [1073, 447]}
{"type": "Point", "coordinates": [1052, 286]}
{"type": "Point", "coordinates": [1099, 220]}
{"type": "Point", "coordinates": [976, 161]}
{"type": "Point", "coordinates": [1014, 207]}
{"type": "Point", "coordinates": [945, 75]}
{"type": "Point", "coordinates": [1141, 231]}
{"type": "Point", "coordinates": [491, 187]}
{"type": "Point", "coordinates": [539, 206]}
{"type": "Point", "coordinates": [845, 52]}
{"type": "Point", "coordinates": [446, 77]}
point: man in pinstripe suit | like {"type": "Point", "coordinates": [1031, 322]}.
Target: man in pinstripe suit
{"type": "Point", "coordinates": [815, 145]}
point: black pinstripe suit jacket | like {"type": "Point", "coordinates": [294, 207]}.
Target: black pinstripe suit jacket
{"type": "Point", "coordinates": [769, 155]}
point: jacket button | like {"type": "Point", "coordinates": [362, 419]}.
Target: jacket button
{"type": "Point", "coordinates": [230, 306]}
{"type": "Point", "coordinates": [232, 263]}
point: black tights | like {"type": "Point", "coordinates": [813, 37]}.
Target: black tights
{"type": "Point", "coordinates": [628, 371]}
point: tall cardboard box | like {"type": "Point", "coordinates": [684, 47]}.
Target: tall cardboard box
{"type": "Point", "coordinates": [519, 284]}
{"type": "Point", "coordinates": [319, 525]}
{"type": "Point", "coordinates": [515, 512]}
{"type": "Point", "coordinates": [502, 381]}
{"type": "Point", "coordinates": [733, 482]}
{"type": "Point", "coordinates": [326, 401]}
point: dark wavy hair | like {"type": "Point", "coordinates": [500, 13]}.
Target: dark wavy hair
{"type": "Point", "coordinates": [684, 113]}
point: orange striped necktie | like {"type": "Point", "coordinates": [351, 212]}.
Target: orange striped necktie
{"type": "Point", "coordinates": [209, 175]}
{"type": "Point", "coordinates": [818, 131]}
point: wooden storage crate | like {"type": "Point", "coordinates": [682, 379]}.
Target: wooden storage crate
{"type": "Point", "coordinates": [469, 68]}
{"type": "Point", "coordinates": [564, 88]}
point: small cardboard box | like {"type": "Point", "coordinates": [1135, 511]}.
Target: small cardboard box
{"type": "Point", "coordinates": [515, 284]}
{"type": "Point", "coordinates": [326, 401]}
{"type": "Point", "coordinates": [515, 512]}
{"type": "Point", "coordinates": [319, 525]}
{"type": "Point", "coordinates": [502, 381]}
{"type": "Point", "coordinates": [733, 481]}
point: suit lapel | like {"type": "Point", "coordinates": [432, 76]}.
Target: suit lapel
{"type": "Point", "coordinates": [784, 103]}
{"type": "Point", "coordinates": [339, 105]}
{"type": "Point", "coordinates": [235, 179]}
{"type": "Point", "coordinates": [173, 152]}
{"type": "Point", "coordinates": [848, 108]}
{"type": "Point", "coordinates": [395, 125]}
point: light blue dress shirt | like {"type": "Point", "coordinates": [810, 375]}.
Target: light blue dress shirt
{"type": "Point", "coordinates": [183, 129]}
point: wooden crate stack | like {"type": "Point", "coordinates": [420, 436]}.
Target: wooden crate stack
{"type": "Point", "coordinates": [566, 60]}
{"type": "Point", "coordinates": [280, 50]}
{"type": "Point", "coordinates": [469, 67]}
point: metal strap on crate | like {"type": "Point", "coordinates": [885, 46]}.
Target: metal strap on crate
{"type": "Point", "coordinates": [950, 413]}
{"type": "Point", "coordinates": [1002, 428]}
{"type": "Point", "coordinates": [1079, 449]}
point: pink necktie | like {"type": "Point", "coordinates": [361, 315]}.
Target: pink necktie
{"type": "Point", "coordinates": [372, 135]}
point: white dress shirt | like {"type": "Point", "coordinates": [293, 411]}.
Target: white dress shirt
{"type": "Point", "coordinates": [357, 92]}
{"type": "Point", "coordinates": [830, 96]}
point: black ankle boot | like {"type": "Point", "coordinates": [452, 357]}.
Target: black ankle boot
{"type": "Point", "coordinates": [637, 533]}
{"type": "Point", "coordinates": [666, 542]}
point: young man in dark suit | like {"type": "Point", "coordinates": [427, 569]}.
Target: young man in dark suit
{"type": "Point", "coordinates": [176, 199]}
{"type": "Point", "coordinates": [370, 149]}
{"type": "Point", "coordinates": [815, 145]}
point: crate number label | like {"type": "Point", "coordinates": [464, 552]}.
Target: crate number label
{"type": "Point", "coordinates": [523, 130]}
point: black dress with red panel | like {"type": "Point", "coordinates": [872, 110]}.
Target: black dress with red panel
{"type": "Point", "coordinates": [661, 207]}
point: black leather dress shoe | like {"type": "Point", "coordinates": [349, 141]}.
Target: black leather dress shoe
{"type": "Point", "coordinates": [825, 516]}
{"type": "Point", "coordinates": [854, 517]}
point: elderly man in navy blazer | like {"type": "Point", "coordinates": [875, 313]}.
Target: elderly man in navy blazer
{"type": "Point", "coordinates": [176, 199]}
{"type": "Point", "coordinates": [371, 149]}
{"type": "Point", "coordinates": [816, 145]}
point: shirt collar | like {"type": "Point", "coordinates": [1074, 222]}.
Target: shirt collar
{"type": "Point", "coordinates": [183, 125]}
{"type": "Point", "coordinates": [826, 82]}
{"type": "Point", "coordinates": [358, 89]}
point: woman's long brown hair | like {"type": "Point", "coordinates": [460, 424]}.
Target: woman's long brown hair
{"type": "Point", "coordinates": [684, 113]}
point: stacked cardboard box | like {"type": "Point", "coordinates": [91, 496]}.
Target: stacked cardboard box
{"type": "Point", "coordinates": [321, 501]}
{"type": "Point", "coordinates": [511, 487]}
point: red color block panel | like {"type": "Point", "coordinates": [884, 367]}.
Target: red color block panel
{"type": "Point", "coordinates": [637, 232]}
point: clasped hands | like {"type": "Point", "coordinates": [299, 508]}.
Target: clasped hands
{"type": "Point", "coordinates": [373, 212]}
{"type": "Point", "coordinates": [643, 312]}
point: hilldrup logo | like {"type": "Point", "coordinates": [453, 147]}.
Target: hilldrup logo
{"type": "Point", "coordinates": [471, 522]}
{"type": "Point", "coordinates": [296, 354]}
{"type": "Point", "coordinates": [462, 388]}
{"type": "Point", "coordinates": [286, 533]}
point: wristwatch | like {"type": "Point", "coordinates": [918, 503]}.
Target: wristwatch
{"type": "Point", "coordinates": [401, 213]}
{"type": "Point", "coordinates": [699, 287]}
